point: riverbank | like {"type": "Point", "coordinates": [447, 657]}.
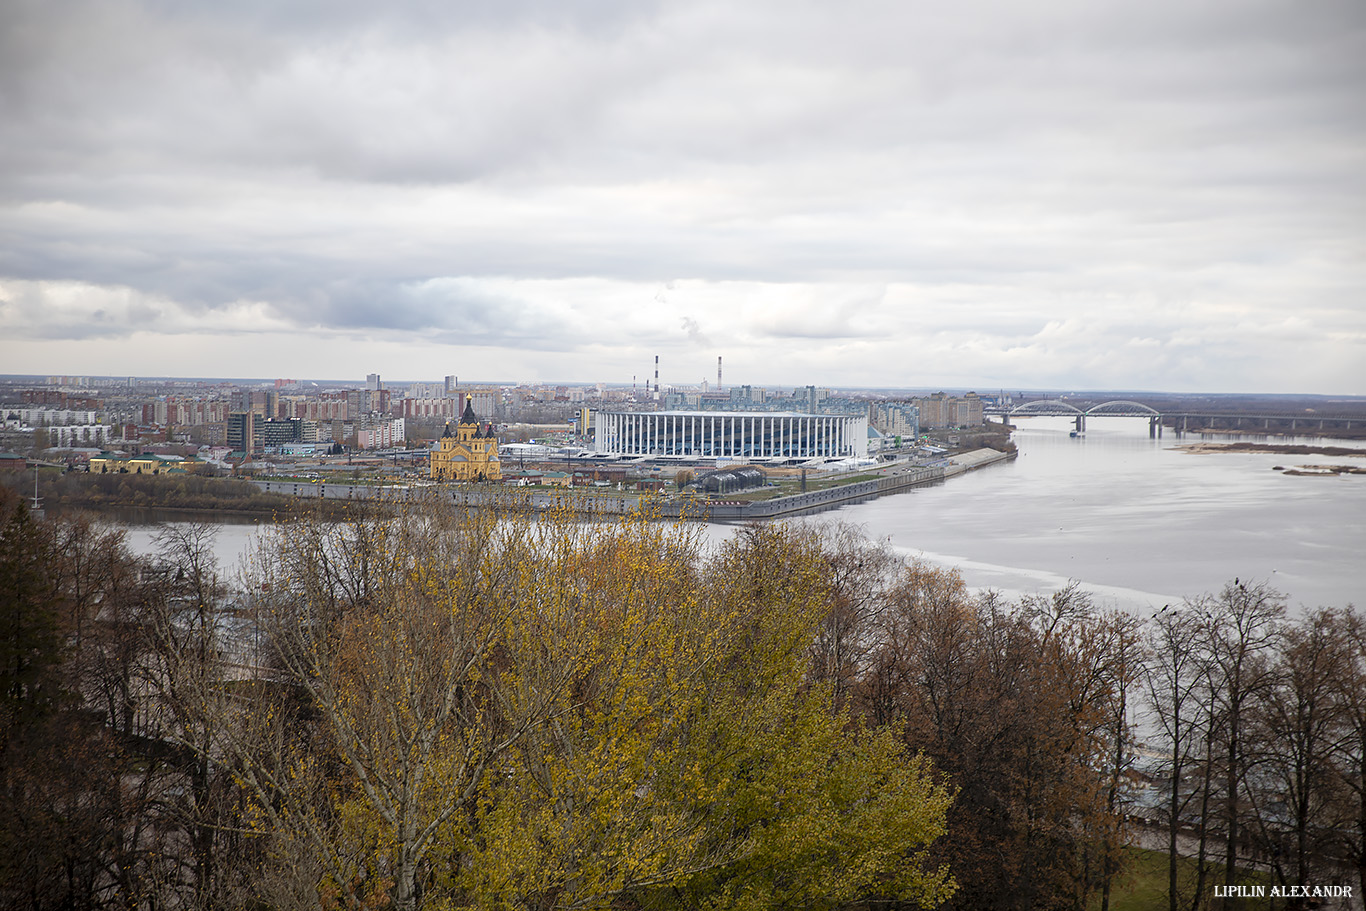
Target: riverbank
{"type": "Point", "coordinates": [895, 481]}
{"type": "Point", "coordinates": [1273, 448]}
{"type": "Point", "coordinates": [606, 503]}
{"type": "Point", "coordinates": [1300, 428]}
{"type": "Point", "coordinates": [185, 496]}
{"type": "Point", "coordinates": [191, 496]}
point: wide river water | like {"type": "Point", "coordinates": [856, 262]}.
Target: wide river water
{"type": "Point", "coordinates": [1137, 522]}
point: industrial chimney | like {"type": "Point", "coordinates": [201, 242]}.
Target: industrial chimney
{"type": "Point", "coordinates": [718, 373]}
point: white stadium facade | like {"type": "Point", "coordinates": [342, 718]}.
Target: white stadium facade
{"type": "Point", "coordinates": [730, 434]}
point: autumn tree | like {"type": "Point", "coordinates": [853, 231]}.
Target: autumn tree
{"type": "Point", "coordinates": [496, 709]}
{"type": "Point", "coordinates": [691, 764]}
{"type": "Point", "coordinates": [1022, 706]}
{"type": "Point", "coordinates": [376, 727]}
{"type": "Point", "coordinates": [835, 812]}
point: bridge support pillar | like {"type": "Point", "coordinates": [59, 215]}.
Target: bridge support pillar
{"type": "Point", "coordinates": [1154, 427]}
{"type": "Point", "coordinates": [1081, 423]}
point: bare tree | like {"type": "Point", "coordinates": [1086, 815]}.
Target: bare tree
{"type": "Point", "coordinates": [1299, 724]}
{"type": "Point", "coordinates": [192, 661]}
{"type": "Point", "coordinates": [1241, 627]}
{"type": "Point", "coordinates": [1117, 641]}
{"type": "Point", "coordinates": [1351, 751]}
{"type": "Point", "coordinates": [1176, 686]}
{"type": "Point", "coordinates": [858, 578]}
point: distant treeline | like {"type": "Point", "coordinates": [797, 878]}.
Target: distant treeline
{"type": "Point", "coordinates": [83, 490]}
{"type": "Point", "coordinates": [450, 709]}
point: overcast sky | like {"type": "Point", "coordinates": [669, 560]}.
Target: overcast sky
{"type": "Point", "coordinates": [1167, 195]}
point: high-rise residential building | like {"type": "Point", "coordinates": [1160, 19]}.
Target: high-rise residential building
{"type": "Point", "coordinates": [487, 401]}
{"type": "Point", "coordinates": [365, 401]}
{"type": "Point", "coordinates": [941, 411]}
{"type": "Point", "coordinates": [379, 433]}
{"type": "Point", "coordinates": [265, 403]}
{"type": "Point", "coordinates": [425, 391]}
{"type": "Point", "coordinates": [813, 398]}
{"type": "Point", "coordinates": [372, 382]}
{"type": "Point", "coordinates": [898, 419]}
{"type": "Point", "coordinates": [447, 408]}
{"type": "Point", "coordinates": [241, 431]}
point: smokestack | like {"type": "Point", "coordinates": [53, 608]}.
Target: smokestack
{"type": "Point", "coordinates": [656, 376]}
{"type": "Point", "coordinates": [718, 373]}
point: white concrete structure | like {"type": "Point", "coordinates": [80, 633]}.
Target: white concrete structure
{"type": "Point", "coordinates": [730, 434]}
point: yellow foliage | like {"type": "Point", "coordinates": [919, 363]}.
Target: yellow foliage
{"type": "Point", "coordinates": [535, 712]}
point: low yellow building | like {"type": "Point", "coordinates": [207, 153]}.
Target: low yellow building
{"type": "Point", "coordinates": [470, 455]}
{"type": "Point", "coordinates": [114, 463]}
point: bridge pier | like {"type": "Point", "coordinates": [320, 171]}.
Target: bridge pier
{"type": "Point", "coordinates": [1081, 423]}
{"type": "Point", "coordinates": [1155, 426]}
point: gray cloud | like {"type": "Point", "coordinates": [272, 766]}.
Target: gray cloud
{"type": "Point", "coordinates": [827, 186]}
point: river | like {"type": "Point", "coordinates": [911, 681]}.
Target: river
{"type": "Point", "coordinates": [1137, 522]}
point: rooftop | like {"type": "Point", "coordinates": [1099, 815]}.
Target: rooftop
{"type": "Point", "coordinates": [732, 414]}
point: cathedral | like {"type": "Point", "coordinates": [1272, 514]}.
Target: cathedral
{"type": "Point", "coordinates": [470, 455]}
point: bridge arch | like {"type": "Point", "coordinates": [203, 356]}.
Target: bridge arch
{"type": "Point", "coordinates": [1124, 408]}
{"type": "Point", "coordinates": [1049, 407]}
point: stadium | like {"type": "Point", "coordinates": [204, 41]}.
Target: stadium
{"type": "Point", "coordinates": [777, 436]}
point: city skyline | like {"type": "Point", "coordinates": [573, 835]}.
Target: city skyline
{"type": "Point", "coordinates": [1048, 195]}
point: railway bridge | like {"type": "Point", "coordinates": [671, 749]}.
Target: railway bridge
{"type": "Point", "coordinates": [1119, 408]}
{"type": "Point", "coordinates": [1185, 421]}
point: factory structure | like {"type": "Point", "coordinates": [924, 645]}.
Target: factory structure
{"type": "Point", "coordinates": [730, 434]}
